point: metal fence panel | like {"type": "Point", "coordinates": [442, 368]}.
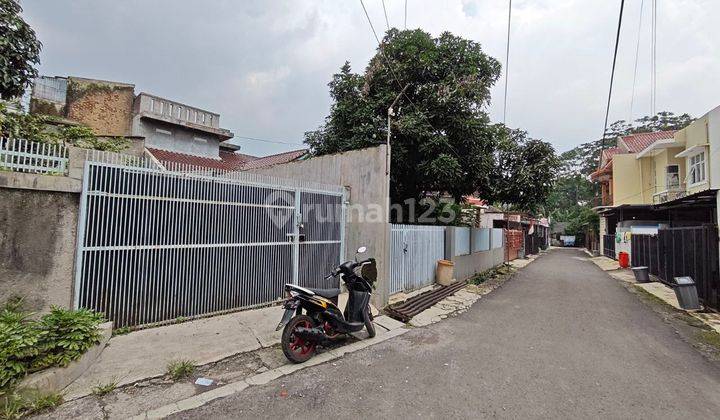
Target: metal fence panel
{"type": "Point", "coordinates": [609, 246]}
{"type": "Point", "coordinates": [497, 238]}
{"type": "Point", "coordinates": [19, 155]}
{"type": "Point", "coordinates": [480, 239]}
{"type": "Point", "coordinates": [414, 253]}
{"type": "Point", "coordinates": [156, 245]}
{"type": "Point", "coordinates": [462, 240]}
{"type": "Point", "coordinates": [687, 251]}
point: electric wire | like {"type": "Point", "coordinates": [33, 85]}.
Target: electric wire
{"type": "Point", "coordinates": [405, 14]}
{"type": "Point", "coordinates": [507, 62]}
{"type": "Point", "coordinates": [612, 79]}
{"type": "Point", "coordinates": [392, 71]}
{"type": "Point", "coordinates": [637, 55]}
{"type": "Point", "coordinates": [268, 141]}
{"type": "Point", "coordinates": [387, 21]}
{"type": "Point", "coordinates": [654, 58]}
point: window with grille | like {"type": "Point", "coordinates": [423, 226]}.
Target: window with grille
{"type": "Point", "coordinates": [697, 168]}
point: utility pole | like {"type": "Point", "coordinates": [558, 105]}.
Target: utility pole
{"type": "Point", "coordinates": [390, 114]}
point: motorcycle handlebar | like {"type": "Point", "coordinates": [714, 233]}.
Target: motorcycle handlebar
{"type": "Point", "coordinates": [336, 271]}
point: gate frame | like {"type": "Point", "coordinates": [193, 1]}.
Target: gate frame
{"type": "Point", "coordinates": [110, 160]}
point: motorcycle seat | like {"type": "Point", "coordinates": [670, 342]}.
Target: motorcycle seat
{"type": "Point", "coordinates": [326, 293]}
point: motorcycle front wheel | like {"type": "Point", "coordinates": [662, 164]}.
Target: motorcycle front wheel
{"type": "Point", "coordinates": [295, 348]}
{"type": "Point", "coordinates": [369, 325]}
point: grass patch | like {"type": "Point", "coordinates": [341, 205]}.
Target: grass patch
{"type": "Point", "coordinates": [500, 270]}
{"type": "Point", "coordinates": [121, 331]}
{"type": "Point", "coordinates": [15, 404]}
{"type": "Point", "coordinates": [647, 296]}
{"type": "Point", "coordinates": [179, 369]}
{"type": "Point", "coordinates": [710, 338]}
{"type": "Point", "coordinates": [104, 389]}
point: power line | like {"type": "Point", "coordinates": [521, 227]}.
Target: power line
{"type": "Point", "coordinates": [268, 141]}
{"type": "Point", "coordinates": [405, 14]}
{"type": "Point", "coordinates": [390, 68]}
{"type": "Point", "coordinates": [653, 65]}
{"type": "Point", "coordinates": [387, 22]}
{"type": "Point", "coordinates": [507, 62]}
{"type": "Point", "coordinates": [612, 79]}
{"type": "Point", "coordinates": [637, 54]}
{"type": "Point", "coordinates": [394, 77]}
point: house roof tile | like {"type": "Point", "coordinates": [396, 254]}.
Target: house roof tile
{"type": "Point", "coordinates": [274, 159]}
{"type": "Point", "coordinates": [638, 142]}
{"type": "Point", "coordinates": [227, 161]}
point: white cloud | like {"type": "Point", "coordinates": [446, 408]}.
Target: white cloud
{"type": "Point", "coordinates": [265, 65]}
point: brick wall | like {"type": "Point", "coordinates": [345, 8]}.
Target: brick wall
{"type": "Point", "coordinates": [103, 106]}
{"type": "Point", "coordinates": [513, 243]}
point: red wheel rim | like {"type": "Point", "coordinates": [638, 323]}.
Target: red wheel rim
{"type": "Point", "coordinates": [297, 344]}
{"type": "Point", "coordinates": [330, 332]}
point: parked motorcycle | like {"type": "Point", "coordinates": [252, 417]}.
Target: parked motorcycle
{"type": "Point", "coordinates": [322, 321]}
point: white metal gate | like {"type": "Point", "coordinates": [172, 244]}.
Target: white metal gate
{"type": "Point", "coordinates": [414, 253]}
{"type": "Point", "coordinates": [160, 244]}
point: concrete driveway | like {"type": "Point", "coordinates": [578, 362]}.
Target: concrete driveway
{"type": "Point", "coordinates": [561, 339]}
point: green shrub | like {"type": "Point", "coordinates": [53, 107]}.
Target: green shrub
{"type": "Point", "coordinates": [67, 335]}
{"type": "Point", "coordinates": [19, 340]}
{"type": "Point", "coordinates": [14, 125]}
{"type": "Point", "coordinates": [58, 338]}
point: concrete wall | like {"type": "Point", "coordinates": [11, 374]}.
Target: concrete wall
{"type": "Point", "coordinates": [106, 107]}
{"type": "Point", "coordinates": [180, 139]}
{"type": "Point", "coordinates": [362, 172]}
{"type": "Point", "coordinates": [37, 246]}
{"type": "Point", "coordinates": [182, 113]}
{"type": "Point", "coordinates": [468, 265]}
{"type": "Point", "coordinates": [628, 183]}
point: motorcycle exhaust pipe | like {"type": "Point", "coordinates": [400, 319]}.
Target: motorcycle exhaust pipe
{"type": "Point", "coordinates": [316, 335]}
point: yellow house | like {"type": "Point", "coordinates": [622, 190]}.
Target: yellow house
{"type": "Point", "coordinates": [645, 168]}
{"type": "Point", "coordinates": [654, 168]}
{"type": "Point", "coordinates": [702, 144]}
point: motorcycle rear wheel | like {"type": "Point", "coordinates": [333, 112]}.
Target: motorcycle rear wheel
{"type": "Point", "coordinates": [296, 349]}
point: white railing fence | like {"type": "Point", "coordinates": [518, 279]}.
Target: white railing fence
{"type": "Point", "coordinates": [19, 155]}
{"type": "Point", "coordinates": [414, 253]}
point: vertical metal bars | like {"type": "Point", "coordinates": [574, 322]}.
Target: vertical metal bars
{"type": "Point", "coordinates": [32, 157]}
{"type": "Point", "coordinates": [414, 253]}
{"type": "Point", "coordinates": [158, 244]}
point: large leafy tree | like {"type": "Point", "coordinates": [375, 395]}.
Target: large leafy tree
{"type": "Point", "coordinates": [441, 137]}
{"type": "Point", "coordinates": [19, 51]}
{"type": "Point", "coordinates": [523, 172]}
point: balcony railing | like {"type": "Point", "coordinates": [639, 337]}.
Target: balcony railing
{"type": "Point", "coordinates": [669, 195]}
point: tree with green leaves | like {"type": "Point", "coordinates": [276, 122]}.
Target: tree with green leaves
{"type": "Point", "coordinates": [524, 170]}
{"type": "Point", "coordinates": [19, 51]}
{"type": "Point", "coordinates": [441, 136]}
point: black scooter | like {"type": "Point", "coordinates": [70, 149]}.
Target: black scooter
{"type": "Point", "coordinates": [323, 322]}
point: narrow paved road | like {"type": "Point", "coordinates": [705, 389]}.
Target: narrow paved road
{"type": "Point", "coordinates": [561, 339]}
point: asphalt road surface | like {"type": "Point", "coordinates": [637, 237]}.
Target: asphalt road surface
{"type": "Point", "coordinates": [560, 339]}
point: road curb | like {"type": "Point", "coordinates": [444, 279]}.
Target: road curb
{"type": "Point", "coordinates": [264, 378]}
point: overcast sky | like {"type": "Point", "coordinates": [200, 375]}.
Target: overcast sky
{"type": "Point", "coordinates": [264, 65]}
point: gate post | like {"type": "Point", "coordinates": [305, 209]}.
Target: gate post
{"type": "Point", "coordinates": [297, 214]}
{"type": "Point", "coordinates": [80, 237]}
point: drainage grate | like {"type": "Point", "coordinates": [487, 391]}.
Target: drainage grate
{"type": "Point", "coordinates": [404, 311]}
